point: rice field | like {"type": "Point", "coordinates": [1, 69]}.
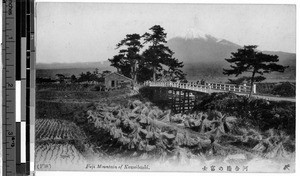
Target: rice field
{"type": "Point", "coordinates": [59, 143]}
{"type": "Point", "coordinates": [56, 129]}
{"type": "Point", "coordinates": [115, 132]}
{"type": "Point", "coordinates": [60, 154]}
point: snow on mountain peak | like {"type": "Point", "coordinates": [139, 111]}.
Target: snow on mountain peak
{"type": "Point", "coordinates": [194, 33]}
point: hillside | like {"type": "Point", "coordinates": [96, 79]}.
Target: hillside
{"type": "Point", "coordinates": [204, 56]}
{"type": "Point", "coordinates": [50, 73]}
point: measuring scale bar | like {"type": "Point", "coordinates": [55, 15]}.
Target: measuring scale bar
{"type": "Point", "coordinates": [21, 124]}
{"type": "Point", "coordinates": [18, 58]}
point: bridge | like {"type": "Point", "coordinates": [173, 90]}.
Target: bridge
{"type": "Point", "coordinates": [183, 95]}
{"type": "Point", "coordinates": [207, 88]}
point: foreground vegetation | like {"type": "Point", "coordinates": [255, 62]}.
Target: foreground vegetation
{"type": "Point", "coordinates": [144, 131]}
{"type": "Point", "coordinates": [256, 113]}
{"type": "Point", "coordinates": [74, 127]}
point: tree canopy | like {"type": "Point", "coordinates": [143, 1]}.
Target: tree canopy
{"type": "Point", "coordinates": [155, 61]}
{"type": "Point", "coordinates": [248, 59]}
{"type": "Point", "coordinates": [129, 57]}
{"type": "Point", "coordinates": [158, 55]}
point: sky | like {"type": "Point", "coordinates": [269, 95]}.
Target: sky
{"type": "Point", "coordinates": [86, 32]}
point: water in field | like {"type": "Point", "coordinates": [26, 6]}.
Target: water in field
{"type": "Point", "coordinates": [62, 145]}
{"type": "Point", "coordinates": [58, 144]}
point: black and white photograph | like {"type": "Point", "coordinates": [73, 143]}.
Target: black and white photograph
{"type": "Point", "coordinates": [175, 87]}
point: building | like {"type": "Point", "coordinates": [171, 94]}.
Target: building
{"type": "Point", "coordinates": [116, 80]}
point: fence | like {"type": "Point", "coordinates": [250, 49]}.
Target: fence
{"type": "Point", "coordinates": [207, 88]}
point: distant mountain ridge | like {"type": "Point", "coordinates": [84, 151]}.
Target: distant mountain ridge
{"type": "Point", "coordinates": [203, 56]}
{"type": "Point", "coordinates": [104, 64]}
{"type": "Point", "coordinates": [201, 50]}
{"type": "Point", "coordinates": [195, 48]}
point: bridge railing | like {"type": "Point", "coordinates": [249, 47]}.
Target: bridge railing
{"type": "Point", "coordinates": [230, 87]}
{"type": "Point", "coordinates": [202, 88]}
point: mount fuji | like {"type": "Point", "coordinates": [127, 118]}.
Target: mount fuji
{"type": "Point", "coordinates": [195, 46]}
{"type": "Point", "coordinates": [202, 52]}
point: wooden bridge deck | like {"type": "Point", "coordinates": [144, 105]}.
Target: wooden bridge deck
{"type": "Point", "coordinates": [218, 87]}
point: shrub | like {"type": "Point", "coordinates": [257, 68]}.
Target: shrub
{"type": "Point", "coordinates": [98, 88]}
{"type": "Point", "coordinates": [285, 89]}
{"type": "Point", "coordinates": [258, 113]}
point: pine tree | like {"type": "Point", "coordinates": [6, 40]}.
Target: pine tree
{"type": "Point", "coordinates": [128, 59]}
{"type": "Point", "coordinates": [248, 59]}
{"type": "Point", "coordinates": [159, 55]}
{"type": "Point", "coordinates": [155, 60]}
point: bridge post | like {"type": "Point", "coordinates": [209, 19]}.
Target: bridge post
{"type": "Point", "coordinates": [180, 100]}
{"type": "Point", "coordinates": [254, 88]}
{"type": "Point", "coordinates": [173, 100]}
{"type": "Point", "coordinates": [183, 101]}
{"type": "Point", "coordinates": [188, 100]}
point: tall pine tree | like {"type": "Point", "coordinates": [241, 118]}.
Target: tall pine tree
{"type": "Point", "coordinates": [155, 61]}
{"type": "Point", "coordinates": [129, 57]}
{"type": "Point", "coordinates": [248, 59]}
{"type": "Point", "coordinates": [158, 55]}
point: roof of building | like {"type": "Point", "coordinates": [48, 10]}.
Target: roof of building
{"type": "Point", "coordinates": [119, 75]}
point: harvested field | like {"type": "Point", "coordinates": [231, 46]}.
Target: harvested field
{"type": "Point", "coordinates": [58, 154]}
{"type": "Point", "coordinates": [59, 142]}
{"type": "Point", "coordinates": [57, 130]}
{"type": "Point", "coordinates": [71, 133]}
{"type": "Point", "coordinates": [145, 133]}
